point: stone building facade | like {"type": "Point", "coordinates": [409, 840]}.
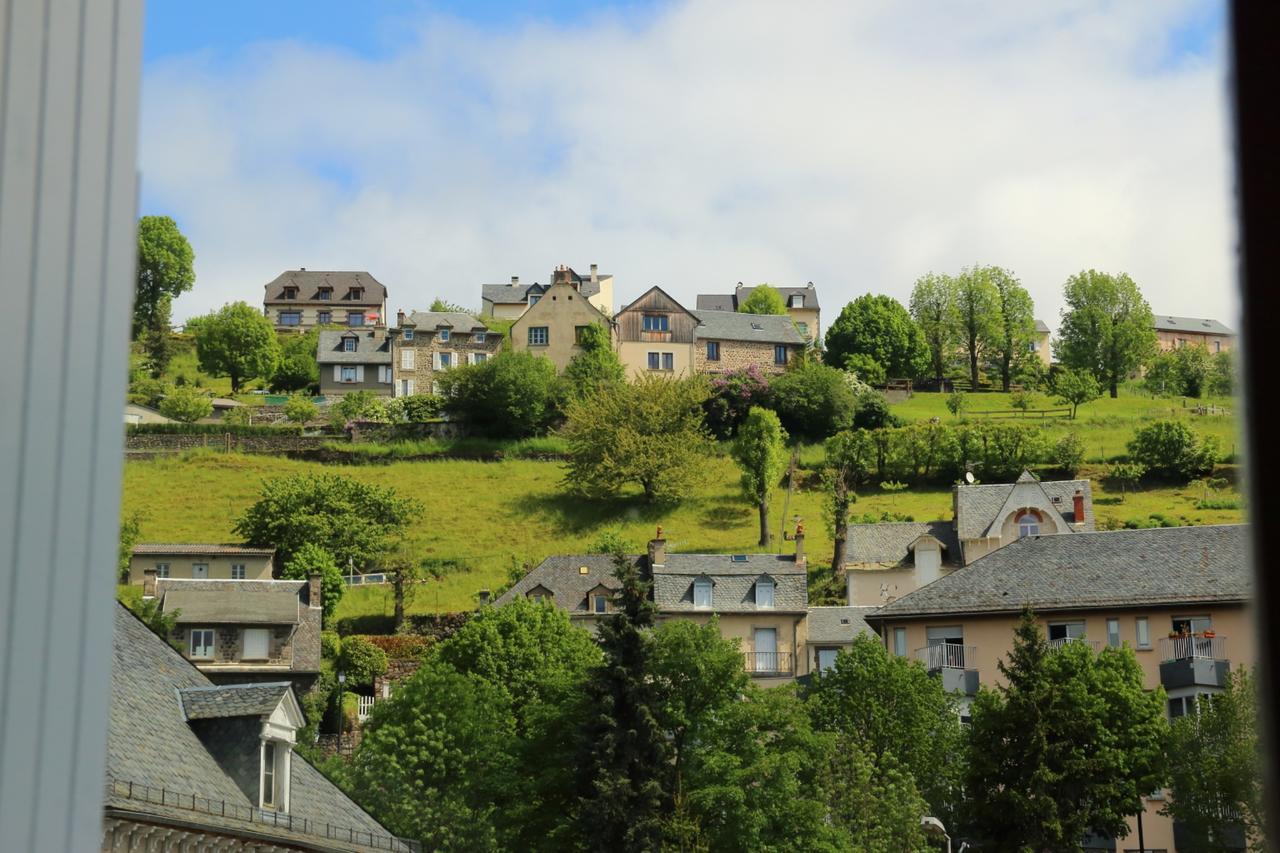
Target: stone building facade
{"type": "Point", "coordinates": [427, 343]}
{"type": "Point", "coordinates": [728, 340]}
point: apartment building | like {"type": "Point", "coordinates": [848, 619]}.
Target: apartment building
{"type": "Point", "coordinates": [428, 343]}
{"type": "Point", "coordinates": [297, 300]}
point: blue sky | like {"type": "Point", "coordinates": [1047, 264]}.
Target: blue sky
{"type": "Point", "coordinates": [693, 144]}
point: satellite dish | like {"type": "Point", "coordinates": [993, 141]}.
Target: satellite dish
{"type": "Point", "coordinates": [968, 477]}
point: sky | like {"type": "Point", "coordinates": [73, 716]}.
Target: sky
{"type": "Point", "coordinates": [694, 145]}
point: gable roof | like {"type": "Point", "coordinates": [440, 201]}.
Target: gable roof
{"type": "Point", "coordinates": [1119, 568]}
{"type": "Point", "coordinates": [373, 346]}
{"type": "Point", "coordinates": [455, 321]}
{"type": "Point", "coordinates": [978, 508]}
{"type": "Point", "coordinates": [309, 283]}
{"type": "Point", "coordinates": [733, 326]}
{"type": "Point", "coordinates": [1199, 325]}
{"type": "Point", "coordinates": [837, 624]}
{"type": "Point", "coordinates": [151, 746]}
{"type": "Point", "coordinates": [232, 700]}
{"type": "Point", "coordinates": [634, 303]}
{"type": "Point", "coordinates": [544, 306]}
{"type": "Point", "coordinates": [228, 602]}
{"type": "Point", "coordinates": [562, 577]}
{"type": "Point", "coordinates": [199, 549]}
{"type": "Point", "coordinates": [507, 294]}
{"type": "Point", "coordinates": [731, 301]}
{"type": "Point", "coordinates": [715, 302]}
{"type": "Point", "coordinates": [892, 543]}
{"type": "Point", "coordinates": [1041, 326]}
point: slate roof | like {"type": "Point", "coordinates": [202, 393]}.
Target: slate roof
{"type": "Point", "coordinates": [889, 543]}
{"type": "Point", "coordinates": [309, 283]}
{"type": "Point", "coordinates": [1041, 326]}
{"type": "Point", "coordinates": [830, 625]}
{"type": "Point", "coordinates": [731, 301]}
{"type": "Point", "coordinates": [732, 326]}
{"type": "Point", "coordinates": [229, 549]}
{"type": "Point", "coordinates": [372, 347]}
{"type": "Point", "coordinates": [507, 293]}
{"type": "Point", "coordinates": [1119, 568]}
{"type": "Point", "coordinates": [225, 602]}
{"type": "Point", "coordinates": [150, 743]}
{"type": "Point", "coordinates": [716, 302]}
{"type": "Point", "coordinates": [454, 321]}
{"type": "Point", "coordinates": [1199, 325]}
{"type": "Point", "coordinates": [232, 700]}
{"type": "Point", "coordinates": [977, 506]}
{"type": "Point", "coordinates": [562, 577]}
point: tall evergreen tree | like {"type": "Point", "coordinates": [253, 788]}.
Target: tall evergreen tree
{"type": "Point", "coordinates": [624, 761]}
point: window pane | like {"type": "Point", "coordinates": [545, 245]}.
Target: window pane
{"type": "Point", "coordinates": [1113, 633]}
{"type": "Point", "coordinates": [668, 361]}
{"type": "Point", "coordinates": [1143, 633]}
{"type": "Point", "coordinates": [900, 642]}
{"type": "Point", "coordinates": [826, 659]}
{"type": "Point", "coordinates": [764, 593]}
{"type": "Point", "coordinates": [653, 361]}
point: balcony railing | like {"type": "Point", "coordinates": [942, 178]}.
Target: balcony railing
{"type": "Point", "coordinates": [1062, 641]}
{"type": "Point", "coordinates": [1193, 648]}
{"type": "Point", "coordinates": [770, 663]}
{"type": "Point", "coordinates": [948, 656]}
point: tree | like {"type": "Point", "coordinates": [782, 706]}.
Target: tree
{"type": "Point", "coordinates": [186, 404]}
{"type": "Point", "coordinates": [1128, 475]}
{"type": "Point", "coordinates": [1171, 449]}
{"type": "Point", "coordinates": [360, 406]}
{"type": "Point", "coordinates": [407, 571]}
{"type": "Point", "coordinates": [1075, 388]}
{"type": "Point", "coordinates": [130, 532]}
{"type": "Point", "coordinates": [1162, 376]}
{"type": "Point", "coordinates": [649, 432]}
{"type": "Point", "coordinates": [299, 409]}
{"type": "Point", "coordinates": [976, 312]}
{"type": "Point", "coordinates": [166, 269]}
{"type": "Point", "coordinates": [157, 341]}
{"type": "Point", "coordinates": [1016, 329]}
{"type": "Point", "coordinates": [957, 402]}
{"type": "Point", "coordinates": [624, 763]}
{"type": "Point", "coordinates": [872, 410]}
{"type": "Point", "coordinates": [891, 708]}
{"type": "Point", "coordinates": [881, 330]}
{"type": "Point", "coordinates": [1216, 780]}
{"type": "Point", "coordinates": [763, 300]}
{"type": "Point", "coordinates": [1222, 379]}
{"type": "Point", "coordinates": [1194, 366]}
{"type": "Point", "coordinates": [415, 408]}
{"type": "Point", "coordinates": [761, 452]}
{"type": "Point", "coordinates": [351, 520]}
{"type": "Point", "coordinates": [1107, 327]}
{"type": "Point", "coordinates": [1069, 745]}
{"type": "Point", "coordinates": [733, 394]}
{"type": "Point", "coordinates": [361, 661]}
{"type": "Point", "coordinates": [161, 622]}
{"type": "Point", "coordinates": [297, 369]}
{"type": "Point", "coordinates": [875, 804]}
{"type": "Point", "coordinates": [1068, 454]}
{"type": "Point", "coordinates": [311, 559]}
{"type": "Point", "coordinates": [512, 395]}
{"type": "Point", "coordinates": [813, 400]}
{"type": "Point", "coordinates": [239, 342]}
{"type": "Point", "coordinates": [596, 367]}
{"type": "Point", "coordinates": [848, 465]}
{"type": "Point", "coordinates": [439, 305]}
{"type": "Point", "coordinates": [933, 309]}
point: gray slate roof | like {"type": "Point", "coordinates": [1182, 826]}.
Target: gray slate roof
{"type": "Point", "coordinates": [372, 347]}
{"type": "Point", "coordinates": [507, 293]}
{"type": "Point", "coordinates": [732, 326]}
{"type": "Point", "coordinates": [563, 578]}
{"type": "Point", "coordinates": [1120, 568]}
{"type": "Point", "coordinates": [228, 602]}
{"type": "Point", "coordinates": [837, 625]}
{"type": "Point", "coordinates": [1199, 325]}
{"type": "Point", "coordinates": [715, 302]}
{"type": "Point", "coordinates": [890, 542]}
{"type": "Point", "coordinates": [1041, 326]}
{"type": "Point", "coordinates": [200, 548]}
{"type": "Point", "coordinates": [150, 742]}
{"type": "Point", "coordinates": [978, 506]}
{"type": "Point", "coordinates": [309, 283]}
{"type": "Point", "coordinates": [731, 301]}
{"type": "Point", "coordinates": [454, 321]}
{"type": "Point", "coordinates": [232, 700]}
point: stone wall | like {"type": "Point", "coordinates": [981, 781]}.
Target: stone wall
{"type": "Point", "coordinates": [397, 670]}
{"type": "Point", "coordinates": [735, 355]}
{"type": "Point", "coordinates": [285, 443]}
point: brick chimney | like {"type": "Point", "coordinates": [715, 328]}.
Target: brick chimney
{"type": "Point", "coordinates": [595, 273]}
{"type": "Point", "coordinates": [484, 597]}
{"type": "Point", "coordinates": [1079, 506]}
{"type": "Point", "coordinates": [801, 560]}
{"type": "Point", "coordinates": [515, 281]}
{"type": "Point", "coordinates": [149, 583]}
{"type": "Point", "coordinates": [657, 550]}
{"type": "Point", "coordinates": [400, 317]}
{"type": "Point", "coordinates": [313, 590]}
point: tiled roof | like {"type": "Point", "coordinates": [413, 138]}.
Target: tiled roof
{"type": "Point", "coordinates": [454, 321]}
{"type": "Point", "coordinates": [150, 743]}
{"type": "Point", "coordinates": [228, 602]}
{"type": "Point", "coordinates": [1120, 568]}
{"type": "Point", "coordinates": [508, 294]}
{"type": "Point", "coordinates": [837, 624]}
{"type": "Point", "coordinates": [810, 293]}
{"type": "Point", "coordinates": [890, 542]}
{"type": "Point", "coordinates": [562, 576]}
{"type": "Point", "coordinates": [1041, 326]}
{"type": "Point", "coordinates": [733, 326]}
{"type": "Point", "coordinates": [715, 302]}
{"type": "Point", "coordinates": [229, 549]}
{"type": "Point", "coordinates": [372, 347]}
{"type": "Point", "coordinates": [309, 283]}
{"type": "Point", "coordinates": [978, 506]}
{"type": "Point", "coordinates": [232, 700]}
{"type": "Point", "coordinates": [733, 589]}
{"type": "Point", "coordinates": [1199, 325]}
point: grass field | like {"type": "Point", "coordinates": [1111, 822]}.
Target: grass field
{"type": "Point", "coordinates": [494, 517]}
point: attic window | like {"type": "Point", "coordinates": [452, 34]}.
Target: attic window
{"type": "Point", "coordinates": [844, 620]}
{"type": "Point", "coordinates": [702, 592]}
{"type": "Point", "coordinates": [764, 593]}
{"type": "Point", "coordinates": [584, 570]}
{"type": "Point", "coordinates": [348, 344]}
{"type": "Point", "coordinates": [738, 558]}
{"type": "Point", "coordinates": [1057, 499]}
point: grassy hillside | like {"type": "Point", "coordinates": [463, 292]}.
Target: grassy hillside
{"type": "Point", "coordinates": [496, 516]}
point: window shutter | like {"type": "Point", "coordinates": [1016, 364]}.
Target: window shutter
{"type": "Point", "coordinates": [435, 361]}
{"type": "Point", "coordinates": [359, 372]}
{"type": "Point", "coordinates": [406, 359]}
{"type": "Point", "coordinates": [337, 373]}
{"type": "Point", "coordinates": [408, 387]}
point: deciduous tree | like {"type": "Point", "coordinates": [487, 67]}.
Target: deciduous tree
{"type": "Point", "coordinates": [186, 404]}
{"type": "Point", "coordinates": [312, 559]}
{"type": "Point", "coordinates": [166, 269]}
{"type": "Point", "coordinates": [976, 312]}
{"type": "Point", "coordinates": [511, 395]}
{"type": "Point", "coordinates": [1011, 345]}
{"type": "Point", "coordinates": [596, 367]}
{"type": "Point", "coordinates": [1107, 327]}
{"type": "Point", "coordinates": [813, 400]}
{"type": "Point", "coordinates": [933, 309]}
{"type": "Point", "coordinates": [763, 300]}
{"type": "Point", "coordinates": [299, 409]}
{"type": "Point", "coordinates": [849, 463]}
{"type": "Point", "coordinates": [237, 341]}
{"type": "Point", "coordinates": [760, 450]}
{"type": "Point", "coordinates": [880, 330]}
{"type": "Point", "coordinates": [297, 369]}
{"type": "Point", "coordinates": [1075, 388]}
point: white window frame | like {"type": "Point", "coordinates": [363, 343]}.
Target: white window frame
{"type": "Point", "coordinates": [162, 570]}
{"type": "Point", "coordinates": [406, 387]}
{"type": "Point", "coordinates": [446, 360]}
{"type": "Point", "coordinates": [478, 337]}
{"type": "Point", "coordinates": [539, 340]}
{"type": "Point", "coordinates": [343, 373]}
{"type": "Point", "coordinates": [703, 594]}
{"type": "Point", "coordinates": [797, 301]}
{"type": "Point", "coordinates": [406, 359]}
{"type": "Point", "coordinates": [763, 586]}
{"type": "Point", "coordinates": [267, 775]}
{"type": "Point", "coordinates": [209, 649]}
{"type": "Point", "coordinates": [829, 650]}
{"type": "Point", "coordinates": [349, 344]}
{"type": "Point", "coordinates": [408, 334]}
{"type": "Point", "coordinates": [479, 357]}
{"type": "Point", "coordinates": [444, 335]}
{"type": "Point", "coordinates": [1028, 524]}
{"type": "Point", "coordinates": [384, 373]}
{"type": "Point", "coordinates": [265, 635]}
{"type": "Point", "coordinates": [656, 323]}
{"type": "Point", "coordinates": [1142, 632]}
{"type": "Point", "coordinates": [237, 571]}
{"type": "Point", "coordinates": [1068, 625]}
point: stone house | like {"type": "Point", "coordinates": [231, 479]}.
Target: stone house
{"type": "Point", "coordinates": [245, 631]}
{"type": "Point", "coordinates": [510, 301]}
{"type": "Point", "coordinates": [354, 360]}
{"type": "Point", "coordinates": [297, 300]}
{"type": "Point", "coordinates": [656, 334]}
{"type": "Point", "coordinates": [425, 343]}
{"type": "Point", "coordinates": [551, 326]}
{"type": "Point", "coordinates": [200, 561]}
{"type": "Point", "coordinates": [1175, 332]}
{"type": "Point", "coordinates": [728, 340]}
{"type": "Point", "coordinates": [801, 302]}
{"type": "Point", "coordinates": [1179, 597]}
{"type": "Point", "coordinates": [196, 766]}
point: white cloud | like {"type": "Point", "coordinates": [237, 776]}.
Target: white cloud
{"type": "Point", "coordinates": [857, 148]}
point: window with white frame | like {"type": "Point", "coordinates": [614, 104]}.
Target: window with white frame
{"type": "Point", "coordinates": [764, 592]}
{"type": "Point", "coordinates": [1142, 632]}
{"type": "Point", "coordinates": [1113, 633]}
{"type": "Point", "coordinates": [162, 570]}
{"type": "Point", "coordinates": [702, 592]}
{"type": "Point", "coordinates": [348, 374]}
{"type": "Point", "coordinates": [408, 334]}
{"type": "Point", "coordinates": [1028, 524]}
{"type": "Point", "coordinates": [406, 359]}
{"type": "Point", "coordinates": [406, 387]}
{"type": "Point", "coordinates": [443, 334]}
{"type": "Point", "coordinates": [1065, 631]}
{"type": "Point", "coordinates": [257, 642]}
{"type": "Point", "coordinates": [827, 659]}
{"type": "Point", "coordinates": [446, 360]}
{"type": "Point", "coordinates": [538, 336]}
{"type": "Point", "coordinates": [268, 774]}
{"type": "Point", "coordinates": [202, 643]}
{"type": "Point", "coordinates": [348, 344]}
{"type": "Point", "coordinates": [533, 300]}
{"type": "Point", "coordinates": [479, 357]}
{"type": "Point", "coordinates": [900, 642]}
{"type": "Point", "coordinates": [478, 337]}
{"type": "Point", "coordinates": [797, 301]}
{"type": "Point", "coordinates": [237, 571]}
{"type": "Point", "coordinates": [384, 373]}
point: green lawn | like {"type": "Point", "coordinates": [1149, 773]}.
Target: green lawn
{"type": "Point", "coordinates": [493, 516]}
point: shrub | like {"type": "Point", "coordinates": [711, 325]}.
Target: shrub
{"type": "Point", "coordinates": [220, 428]}
{"type": "Point", "coordinates": [361, 406]}
{"type": "Point", "coordinates": [512, 395]}
{"type": "Point", "coordinates": [147, 392]}
{"type": "Point", "coordinates": [813, 401]}
{"type": "Point", "coordinates": [330, 645]}
{"type": "Point", "coordinates": [732, 396]}
{"type": "Point", "coordinates": [362, 661]}
{"type": "Point", "coordinates": [1127, 475]}
{"type": "Point", "coordinates": [1022, 400]}
{"type": "Point", "coordinates": [1068, 454]}
{"type": "Point", "coordinates": [1171, 449]}
{"type": "Point", "coordinates": [299, 409]}
{"type": "Point", "coordinates": [872, 411]}
{"type": "Point", "coordinates": [186, 405]}
{"type": "Point", "coordinates": [957, 403]}
{"type": "Point", "coordinates": [415, 409]}
{"type": "Point", "coordinates": [238, 416]}
{"type": "Point", "coordinates": [313, 559]}
{"type": "Point", "coordinates": [400, 646]}
{"type": "Point", "coordinates": [866, 368]}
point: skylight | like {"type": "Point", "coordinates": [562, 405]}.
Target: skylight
{"type": "Point", "coordinates": [739, 558]}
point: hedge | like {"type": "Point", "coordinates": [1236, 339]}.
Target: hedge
{"type": "Point", "coordinates": [209, 429]}
{"type": "Point", "coordinates": [399, 646]}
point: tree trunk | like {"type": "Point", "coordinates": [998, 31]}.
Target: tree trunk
{"type": "Point", "coordinates": [235, 383]}
{"type": "Point", "coordinates": [841, 519]}
{"type": "Point", "coordinates": [397, 588]}
{"type": "Point", "coordinates": [764, 523]}
{"type": "Point", "coordinates": [1004, 370]}
{"type": "Point", "coordinates": [973, 364]}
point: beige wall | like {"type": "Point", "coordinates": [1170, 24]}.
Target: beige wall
{"type": "Point", "coordinates": [1213, 343]}
{"type": "Point", "coordinates": [504, 311]}
{"type": "Point", "coordinates": [791, 631]}
{"type": "Point", "coordinates": [561, 309]}
{"type": "Point", "coordinates": [311, 314]}
{"type": "Point", "coordinates": [635, 357]}
{"type": "Point", "coordinates": [604, 299]}
{"type": "Point", "coordinates": [255, 568]}
{"type": "Point", "coordinates": [1042, 348]}
{"type": "Point", "coordinates": [808, 316]}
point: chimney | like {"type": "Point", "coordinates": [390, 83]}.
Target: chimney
{"type": "Point", "coordinates": [595, 273]}
{"type": "Point", "coordinates": [657, 550]}
{"type": "Point", "coordinates": [149, 583]}
{"type": "Point", "coordinates": [1079, 506]}
{"type": "Point", "coordinates": [515, 281]}
{"type": "Point", "coordinates": [313, 590]}
{"type": "Point", "coordinates": [801, 559]}
{"type": "Point", "coordinates": [400, 317]}
{"type": "Point", "coordinates": [484, 597]}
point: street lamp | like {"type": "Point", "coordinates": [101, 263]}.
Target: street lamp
{"type": "Point", "coordinates": [933, 826]}
{"type": "Point", "coordinates": [342, 679]}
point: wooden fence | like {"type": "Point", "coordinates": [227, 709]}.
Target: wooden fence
{"type": "Point", "coordinates": [1021, 413]}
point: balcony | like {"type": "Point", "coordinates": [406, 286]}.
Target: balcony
{"type": "Point", "coordinates": [770, 664]}
{"type": "Point", "coordinates": [1062, 641]}
{"type": "Point", "coordinates": [1193, 661]}
{"type": "Point", "coordinates": [956, 664]}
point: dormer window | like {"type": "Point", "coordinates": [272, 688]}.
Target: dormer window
{"type": "Point", "coordinates": [600, 603]}
{"type": "Point", "coordinates": [1028, 524]}
{"type": "Point", "coordinates": [324, 294]}
{"type": "Point", "coordinates": [444, 335]}
{"type": "Point", "coordinates": [702, 593]}
{"type": "Point", "coordinates": [291, 293]}
{"type": "Point", "coordinates": [764, 592]}
{"type": "Point", "coordinates": [269, 774]}
{"type": "Point", "coordinates": [797, 301]}
{"type": "Point", "coordinates": [348, 344]}
{"type": "Point", "coordinates": [477, 337]}
{"type": "Point", "coordinates": [355, 293]}
{"type": "Point", "coordinates": [533, 300]}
